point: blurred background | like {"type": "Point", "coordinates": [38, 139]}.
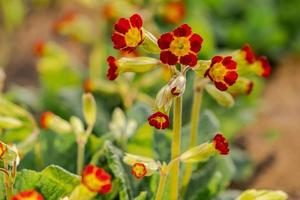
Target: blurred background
{"type": "Point", "coordinates": [266, 130]}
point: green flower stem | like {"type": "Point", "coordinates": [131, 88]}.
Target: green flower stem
{"type": "Point", "coordinates": [81, 142]}
{"type": "Point", "coordinates": [195, 115]}
{"type": "Point", "coordinates": [175, 151]}
{"type": "Point", "coordinates": [8, 182]}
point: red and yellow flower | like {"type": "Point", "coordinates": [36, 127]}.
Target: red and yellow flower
{"type": "Point", "coordinates": [264, 67]}
{"type": "Point", "coordinates": [180, 46]}
{"type": "Point", "coordinates": [45, 119]}
{"type": "Point", "coordinates": [174, 12]}
{"type": "Point", "coordinates": [2, 149]}
{"type": "Point", "coordinates": [220, 143]}
{"type": "Point", "coordinates": [28, 195]}
{"type": "Point", "coordinates": [139, 170]}
{"type": "Point", "coordinates": [159, 120]}
{"type": "Point", "coordinates": [241, 86]}
{"type": "Point", "coordinates": [222, 71]}
{"type": "Point", "coordinates": [112, 72]}
{"type": "Point", "coordinates": [128, 33]}
{"type": "Point", "coordinates": [96, 179]}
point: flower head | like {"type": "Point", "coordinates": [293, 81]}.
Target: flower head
{"type": "Point", "coordinates": [222, 72]}
{"type": "Point", "coordinates": [159, 120]}
{"type": "Point", "coordinates": [139, 170]}
{"type": "Point", "coordinates": [220, 143]}
{"type": "Point", "coordinates": [28, 195]}
{"type": "Point", "coordinates": [39, 48]}
{"type": "Point", "coordinates": [180, 46]}
{"type": "Point", "coordinates": [128, 33]}
{"type": "Point", "coordinates": [96, 179]}
{"type": "Point", "coordinates": [265, 67]}
{"type": "Point", "coordinates": [249, 54]}
{"type": "Point", "coordinates": [45, 119]}
{"type": "Point", "coordinates": [174, 12]}
{"type": "Point", "coordinates": [2, 149]}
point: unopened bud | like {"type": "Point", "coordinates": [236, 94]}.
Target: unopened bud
{"type": "Point", "coordinates": [150, 43]}
{"type": "Point", "coordinates": [77, 125]}
{"type": "Point", "coordinates": [223, 98]}
{"type": "Point", "coordinates": [51, 121]}
{"type": "Point", "coordinates": [89, 108]}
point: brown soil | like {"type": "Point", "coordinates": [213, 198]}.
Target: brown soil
{"type": "Point", "coordinates": [278, 160]}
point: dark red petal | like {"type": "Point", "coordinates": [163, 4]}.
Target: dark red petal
{"type": "Point", "coordinates": [230, 77]}
{"type": "Point", "coordinates": [221, 144]}
{"type": "Point", "coordinates": [122, 25]}
{"type": "Point", "coordinates": [165, 40]}
{"type": "Point", "coordinates": [250, 55]}
{"type": "Point", "coordinates": [216, 59]}
{"type": "Point", "coordinates": [118, 40]}
{"type": "Point", "coordinates": [229, 63]}
{"type": "Point", "coordinates": [112, 72]}
{"type": "Point", "coordinates": [183, 31]}
{"type": "Point", "coordinates": [189, 59]}
{"type": "Point", "coordinates": [136, 21]}
{"type": "Point", "coordinates": [105, 189]}
{"type": "Point", "coordinates": [221, 86]}
{"type": "Point", "coordinates": [196, 42]}
{"type": "Point", "coordinates": [265, 65]}
{"type": "Point", "coordinates": [167, 57]}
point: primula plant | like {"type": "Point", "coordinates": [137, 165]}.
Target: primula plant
{"type": "Point", "coordinates": [145, 130]}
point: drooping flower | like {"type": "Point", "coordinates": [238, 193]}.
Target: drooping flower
{"type": "Point", "coordinates": [129, 64]}
{"type": "Point", "coordinates": [241, 86]}
{"type": "Point", "coordinates": [174, 12]}
{"type": "Point", "coordinates": [96, 179]}
{"type": "Point", "coordinates": [28, 195]}
{"type": "Point", "coordinates": [220, 143]}
{"type": "Point", "coordinates": [2, 149]}
{"type": "Point", "coordinates": [265, 67]}
{"type": "Point", "coordinates": [248, 54]}
{"type": "Point", "coordinates": [180, 46]}
{"type": "Point", "coordinates": [45, 119]}
{"type": "Point", "coordinates": [128, 33]}
{"type": "Point", "coordinates": [139, 170]}
{"type": "Point", "coordinates": [39, 48]}
{"type": "Point", "coordinates": [159, 120]}
{"type": "Point", "coordinates": [222, 71]}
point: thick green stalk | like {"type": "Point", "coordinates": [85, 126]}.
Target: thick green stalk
{"type": "Point", "coordinates": [195, 115]}
{"type": "Point", "coordinates": [161, 186]}
{"type": "Point", "coordinates": [81, 142]}
{"type": "Point", "coordinates": [176, 143]}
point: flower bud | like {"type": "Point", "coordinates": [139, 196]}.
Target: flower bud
{"type": "Point", "coordinates": [262, 195]}
{"type": "Point", "coordinates": [9, 123]}
{"type": "Point", "coordinates": [203, 151]}
{"type": "Point", "coordinates": [223, 98]}
{"type": "Point", "coordinates": [8, 154]}
{"type": "Point", "coordinates": [242, 86]}
{"type": "Point", "coordinates": [150, 43]}
{"type": "Point", "coordinates": [77, 125]}
{"type": "Point", "coordinates": [177, 85]}
{"type": "Point", "coordinates": [89, 108]}
{"type": "Point", "coordinates": [51, 121]}
{"type": "Point", "coordinates": [141, 166]}
{"type": "Point", "coordinates": [96, 179]}
{"type": "Point", "coordinates": [28, 195]}
{"type": "Point", "coordinates": [130, 64]}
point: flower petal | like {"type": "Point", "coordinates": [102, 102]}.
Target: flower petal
{"type": "Point", "coordinates": [190, 59]}
{"type": "Point", "coordinates": [165, 40]}
{"type": "Point", "coordinates": [183, 31]}
{"type": "Point", "coordinates": [196, 42]}
{"type": "Point", "coordinates": [136, 21]}
{"type": "Point", "coordinates": [230, 77]}
{"type": "Point", "coordinates": [118, 40]}
{"type": "Point", "coordinates": [167, 57]}
{"type": "Point", "coordinates": [122, 26]}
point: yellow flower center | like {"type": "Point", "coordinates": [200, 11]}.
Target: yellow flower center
{"type": "Point", "coordinates": [133, 37]}
{"type": "Point", "coordinates": [180, 46]}
{"type": "Point", "coordinates": [139, 170]}
{"type": "Point", "coordinates": [94, 183]}
{"type": "Point", "coordinates": [160, 119]}
{"type": "Point", "coordinates": [218, 71]}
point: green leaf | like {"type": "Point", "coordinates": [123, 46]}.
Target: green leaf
{"type": "Point", "coordinates": [113, 156]}
{"type": "Point", "coordinates": [142, 196]}
{"type": "Point", "coordinates": [53, 182]}
{"type": "Point", "coordinates": [142, 142]}
{"type": "Point", "coordinates": [2, 189]}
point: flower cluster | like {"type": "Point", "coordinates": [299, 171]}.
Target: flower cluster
{"type": "Point", "coordinates": [96, 179]}
{"type": "Point", "coordinates": [28, 195]}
